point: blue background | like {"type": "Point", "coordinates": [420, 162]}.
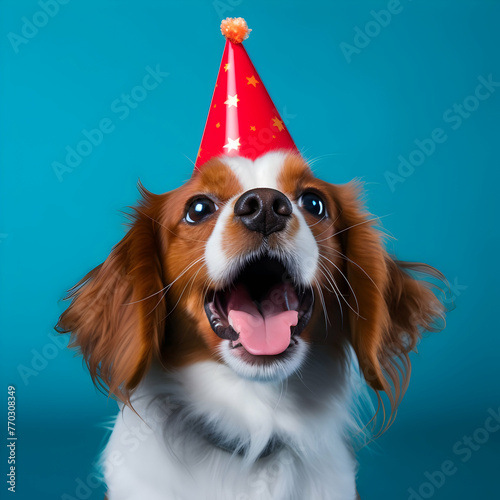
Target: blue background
{"type": "Point", "coordinates": [357, 116]}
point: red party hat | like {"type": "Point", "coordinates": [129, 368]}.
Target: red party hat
{"type": "Point", "coordinates": [242, 120]}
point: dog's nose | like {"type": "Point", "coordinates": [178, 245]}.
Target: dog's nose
{"type": "Point", "coordinates": [263, 210]}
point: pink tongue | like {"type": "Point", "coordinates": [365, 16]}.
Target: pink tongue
{"type": "Point", "coordinates": [267, 332]}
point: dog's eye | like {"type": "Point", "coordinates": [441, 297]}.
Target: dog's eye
{"type": "Point", "coordinates": [313, 204]}
{"type": "Point", "coordinates": [199, 209]}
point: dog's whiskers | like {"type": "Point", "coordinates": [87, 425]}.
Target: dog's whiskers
{"type": "Point", "coordinates": [167, 287]}
{"type": "Point", "coordinates": [169, 230]}
{"type": "Point", "coordinates": [207, 287]}
{"type": "Point", "coordinates": [312, 161]}
{"type": "Point", "coordinates": [323, 305]}
{"type": "Point", "coordinates": [333, 291]}
{"type": "Point", "coordinates": [348, 284]}
{"type": "Point", "coordinates": [191, 280]}
{"type": "Point", "coordinates": [331, 225]}
{"type": "Point", "coordinates": [327, 248]}
{"type": "Point", "coordinates": [317, 222]}
{"type": "Point", "coordinates": [354, 225]}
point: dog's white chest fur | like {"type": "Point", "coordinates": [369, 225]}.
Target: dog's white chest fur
{"type": "Point", "coordinates": [165, 455]}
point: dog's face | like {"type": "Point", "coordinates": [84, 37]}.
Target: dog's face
{"type": "Point", "coordinates": [251, 264]}
{"type": "Point", "coordinates": [244, 242]}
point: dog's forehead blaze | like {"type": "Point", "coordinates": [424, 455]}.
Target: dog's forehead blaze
{"type": "Point", "coordinates": [222, 181]}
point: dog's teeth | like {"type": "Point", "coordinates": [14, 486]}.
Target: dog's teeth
{"type": "Point", "coordinates": [230, 322]}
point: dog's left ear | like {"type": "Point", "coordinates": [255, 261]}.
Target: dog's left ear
{"type": "Point", "coordinates": [389, 307]}
{"type": "Point", "coordinates": [116, 317]}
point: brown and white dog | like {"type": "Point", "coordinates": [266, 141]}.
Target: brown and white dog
{"type": "Point", "coordinates": [237, 322]}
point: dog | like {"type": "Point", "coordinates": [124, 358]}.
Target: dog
{"type": "Point", "coordinates": [237, 323]}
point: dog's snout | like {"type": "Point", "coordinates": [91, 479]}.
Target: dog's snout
{"type": "Point", "coordinates": [263, 210]}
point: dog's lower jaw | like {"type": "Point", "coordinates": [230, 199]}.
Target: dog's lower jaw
{"type": "Point", "coordinates": [284, 366]}
{"type": "Point", "coordinates": [159, 455]}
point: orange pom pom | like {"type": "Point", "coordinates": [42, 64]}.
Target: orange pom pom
{"type": "Point", "coordinates": [235, 29]}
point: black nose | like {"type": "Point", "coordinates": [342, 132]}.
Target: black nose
{"type": "Point", "coordinates": [263, 210]}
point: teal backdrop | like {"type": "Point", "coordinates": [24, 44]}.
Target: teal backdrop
{"type": "Point", "coordinates": [404, 95]}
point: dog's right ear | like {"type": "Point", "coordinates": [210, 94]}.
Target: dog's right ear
{"type": "Point", "coordinates": [117, 313]}
{"type": "Point", "coordinates": [391, 302]}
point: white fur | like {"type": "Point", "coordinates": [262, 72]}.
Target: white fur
{"type": "Point", "coordinates": [260, 173]}
{"type": "Point", "coordinates": [304, 249]}
{"type": "Point", "coordinates": [158, 455]}
{"type": "Point", "coordinates": [217, 267]}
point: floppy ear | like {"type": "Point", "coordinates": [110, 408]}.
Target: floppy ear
{"type": "Point", "coordinates": [117, 312]}
{"type": "Point", "coordinates": [394, 308]}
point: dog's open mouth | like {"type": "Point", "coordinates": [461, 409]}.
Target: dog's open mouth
{"type": "Point", "coordinates": [262, 310]}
